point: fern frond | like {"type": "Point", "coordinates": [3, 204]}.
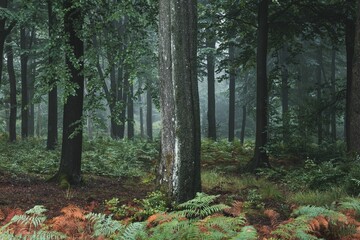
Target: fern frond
{"type": "Point", "coordinates": [246, 233]}
{"type": "Point", "coordinates": [133, 231]}
{"type": "Point", "coordinates": [47, 235]}
{"type": "Point", "coordinates": [36, 210]}
{"type": "Point", "coordinates": [312, 212]}
{"type": "Point", "coordinates": [104, 225]}
{"type": "Point", "coordinates": [200, 207]}
{"type": "Point", "coordinates": [351, 204]}
{"type": "Point", "coordinates": [26, 220]}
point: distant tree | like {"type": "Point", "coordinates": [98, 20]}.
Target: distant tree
{"type": "Point", "coordinates": [130, 112]}
{"type": "Point", "coordinates": [210, 65]}
{"type": "Point", "coordinates": [12, 81]}
{"type": "Point", "coordinates": [261, 158]}
{"type": "Point", "coordinates": [179, 170]}
{"type": "Point", "coordinates": [354, 113]}
{"type": "Point", "coordinates": [149, 121]}
{"type": "Point", "coordinates": [70, 164]}
{"type": "Point", "coordinates": [232, 77]}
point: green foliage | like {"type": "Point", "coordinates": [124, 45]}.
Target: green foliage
{"type": "Point", "coordinates": [316, 197]}
{"type": "Point", "coordinates": [351, 204]}
{"type": "Point", "coordinates": [246, 233]}
{"type": "Point", "coordinates": [154, 202]}
{"type": "Point", "coordinates": [200, 206]}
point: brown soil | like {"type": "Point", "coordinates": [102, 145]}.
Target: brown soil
{"type": "Point", "coordinates": [25, 192]}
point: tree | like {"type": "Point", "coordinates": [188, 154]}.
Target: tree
{"type": "Point", "coordinates": [149, 121]}
{"type": "Point", "coordinates": [4, 32]}
{"type": "Point", "coordinates": [70, 164]}
{"type": "Point", "coordinates": [261, 158]}
{"type": "Point", "coordinates": [354, 114]}
{"type": "Point", "coordinates": [231, 93]}
{"type": "Point", "coordinates": [12, 80]}
{"type": "Point", "coordinates": [179, 170]}
{"type": "Point", "coordinates": [210, 63]}
{"type": "Point", "coordinates": [52, 132]}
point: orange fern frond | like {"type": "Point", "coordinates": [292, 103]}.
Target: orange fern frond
{"type": "Point", "coordinates": [273, 216]}
{"type": "Point", "coordinates": [235, 210]}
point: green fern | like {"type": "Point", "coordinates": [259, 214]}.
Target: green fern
{"type": "Point", "coordinates": [134, 231]}
{"type": "Point", "coordinates": [104, 225]}
{"type": "Point", "coordinates": [200, 206]}
{"type": "Point", "coordinates": [312, 211]}
{"type": "Point", "coordinates": [246, 233]}
{"type": "Point", "coordinates": [351, 204]}
{"type": "Point", "coordinates": [174, 230]}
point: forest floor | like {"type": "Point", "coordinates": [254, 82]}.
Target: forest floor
{"type": "Point", "coordinates": [25, 191]}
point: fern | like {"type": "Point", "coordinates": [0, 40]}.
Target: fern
{"type": "Point", "coordinates": [311, 212]}
{"type": "Point", "coordinates": [134, 230]}
{"type": "Point", "coordinates": [246, 233]}
{"type": "Point", "coordinates": [200, 206]}
{"type": "Point", "coordinates": [104, 225]}
{"type": "Point", "coordinates": [174, 230]}
{"type": "Point", "coordinates": [351, 204]}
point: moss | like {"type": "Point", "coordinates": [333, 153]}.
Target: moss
{"type": "Point", "coordinates": [64, 182]}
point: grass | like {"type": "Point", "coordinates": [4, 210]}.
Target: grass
{"type": "Point", "coordinates": [317, 198]}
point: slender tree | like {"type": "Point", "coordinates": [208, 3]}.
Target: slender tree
{"type": "Point", "coordinates": [130, 112]}
{"type": "Point", "coordinates": [149, 129]}
{"type": "Point", "coordinates": [70, 164]}
{"type": "Point", "coordinates": [319, 119]}
{"type": "Point", "coordinates": [354, 114]}
{"type": "Point", "coordinates": [333, 92]}
{"type": "Point", "coordinates": [12, 80]}
{"type": "Point", "coordinates": [231, 93]}
{"type": "Point", "coordinates": [52, 131]}
{"type": "Point", "coordinates": [179, 170]}
{"type": "Point", "coordinates": [24, 84]}
{"type": "Point", "coordinates": [261, 158]}
{"type": "Point", "coordinates": [211, 114]}
{"type": "Point", "coordinates": [4, 32]}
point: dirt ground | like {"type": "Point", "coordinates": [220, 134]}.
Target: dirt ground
{"type": "Point", "coordinates": [25, 192]}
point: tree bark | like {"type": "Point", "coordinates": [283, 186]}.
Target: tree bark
{"type": "Point", "coordinates": [70, 165]}
{"type": "Point", "coordinates": [130, 112]}
{"type": "Point", "coordinates": [319, 119]}
{"type": "Point", "coordinates": [179, 169]}
{"type": "Point", "coordinates": [354, 114]}
{"type": "Point", "coordinates": [12, 81]}
{"type": "Point", "coordinates": [231, 94]}
{"type": "Point", "coordinates": [261, 158]}
{"type": "Point", "coordinates": [350, 46]}
{"type": "Point", "coordinates": [284, 94]}
{"type": "Point", "coordinates": [4, 32]}
{"type": "Point", "coordinates": [149, 121]}
{"type": "Point", "coordinates": [52, 131]}
{"type": "Point", "coordinates": [24, 84]}
{"type": "Point", "coordinates": [211, 114]}
{"type": "Point", "coordinates": [333, 92]}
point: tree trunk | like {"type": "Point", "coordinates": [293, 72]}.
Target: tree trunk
{"type": "Point", "coordinates": [70, 165]}
{"type": "Point", "coordinates": [354, 114]}
{"type": "Point", "coordinates": [179, 170]}
{"type": "Point", "coordinates": [284, 94]}
{"type": "Point", "coordinates": [319, 116]}
{"type": "Point", "coordinates": [243, 125]}
{"type": "Point", "coordinates": [24, 85]}
{"type": "Point", "coordinates": [39, 122]}
{"type": "Point", "coordinates": [141, 111]}
{"type": "Point", "coordinates": [261, 158]}
{"type": "Point", "coordinates": [4, 32]}
{"type": "Point", "coordinates": [333, 92]}
{"type": "Point", "coordinates": [52, 131]}
{"type": "Point", "coordinates": [231, 94]}
{"type": "Point", "coordinates": [130, 112]}
{"type": "Point", "coordinates": [123, 100]}
{"type": "Point", "coordinates": [149, 130]}
{"type": "Point", "coordinates": [211, 114]}
{"type": "Point", "coordinates": [12, 81]}
{"type": "Point", "coordinates": [350, 45]}
{"type": "Point", "coordinates": [31, 87]}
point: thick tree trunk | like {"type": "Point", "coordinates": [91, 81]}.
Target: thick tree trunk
{"type": "Point", "coordinates": [149, 130]}
{"type": "Point", "coordinates": [231, 94]}
{"type": "Point", "coordinates": [261, 158]}
{"type": "Point", "coordinates": [12, 81]}
{"type": "Point", "coordinates": [211, 114]}
{"type": "Point", "coordinates": [52, 124]}
{"type": "Point", "coordinates": [70, 165]}
{"type": "Point", "coordinates": [31, 88]}
{"type": "Point", "coordinates": [354, 114]}
{"type": "Point", "coordinates": [350, 45]}
{"type": "Point", "coordinates": [179, 170]}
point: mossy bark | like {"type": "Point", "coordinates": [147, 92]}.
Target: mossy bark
{"type": "Point", "coordinates": [179, 168]}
